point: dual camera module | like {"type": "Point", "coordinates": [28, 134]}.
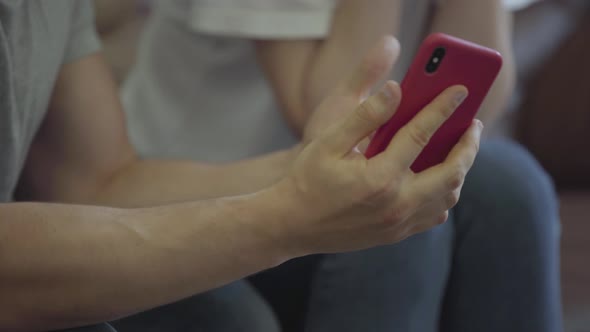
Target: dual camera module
{"type": "Point", "coordinates": [435, 60]}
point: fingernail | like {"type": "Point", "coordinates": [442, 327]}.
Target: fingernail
{"type": "Point", "coordinates": [386, 94]}
{"type": "Point", "coordinates": [391, 43]}
{"type": "Point", "coordinates": [479, 124]}
{"type": "Point", "coordinates": [460, 97]}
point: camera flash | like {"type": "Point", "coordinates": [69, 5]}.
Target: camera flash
{"type": "Point", "coordinates": [435, 60]}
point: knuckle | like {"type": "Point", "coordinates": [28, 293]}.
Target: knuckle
{"type": "Point", "coordinates": [442, 218]}
{"type": "Point", "coordinates": [456, 178]}
{"type": "Point", "coordinates": [452, 199]}
{"type": "Point", "coordinates": [368, 112]}
{"type": "Point", "coordinates": [419, 135]}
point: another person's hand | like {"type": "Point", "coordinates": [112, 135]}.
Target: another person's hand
{"type": "Point", "coordinates": [345, 202]}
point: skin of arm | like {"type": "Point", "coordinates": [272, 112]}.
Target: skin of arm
{"type": "Point", "coordinates": [84, 148]}
{"type": "Point", "coordinates": [66, 265]}
{"type": "Point", "coordinates": [71, 265]}
{"type": "Point", "coordinates": [489, 24]}
{"type": "Point", "coordinates": [303, 72]}
{"type": "Point", "coordinates": [301, 81]}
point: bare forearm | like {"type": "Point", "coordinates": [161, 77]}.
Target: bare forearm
{"type": "Point", "coordinates": [72, 265]}
{"type": "Point", "coordinates": [151, 182]}
{"type": "Point", "coordinates": [489, 24]}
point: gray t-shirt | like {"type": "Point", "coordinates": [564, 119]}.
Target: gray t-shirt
{"type": "Point", "coordinates": [36, 38]}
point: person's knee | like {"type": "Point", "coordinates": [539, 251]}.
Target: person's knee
{"type": "Point", "coordinates": [509, 180]}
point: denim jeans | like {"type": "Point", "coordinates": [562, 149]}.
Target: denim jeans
{"type": "Point", "coordinates": [494, 266]}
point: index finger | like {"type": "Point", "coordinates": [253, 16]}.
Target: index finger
{"type": "Point", "coordinates": [411, 139]}
{"type": "Point", "coordinates": [448, 176]}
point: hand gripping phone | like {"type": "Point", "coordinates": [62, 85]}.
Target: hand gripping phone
{"type": "Point", "coordinates": [442, 61]}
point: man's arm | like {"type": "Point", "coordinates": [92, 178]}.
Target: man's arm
{"type": "Point", "coordinates": [63, 265]}
{"type": "Point", "coordinates": [82, 154]}
{"type": "Point", "coordinates": [487, 23]}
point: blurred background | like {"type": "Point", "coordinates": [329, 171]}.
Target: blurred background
{"type": "Point", "coordinates": [549, 114]}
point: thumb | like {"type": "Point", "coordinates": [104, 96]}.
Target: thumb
{"type": "Point", "coordinates": [366, 118]}
{"type": "Point", "coordinates": [374, 67]}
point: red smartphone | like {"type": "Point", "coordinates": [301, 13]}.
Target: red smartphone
{"type": "Point", "coordinates": [442, 61]}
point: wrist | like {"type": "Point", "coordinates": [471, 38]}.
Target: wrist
{"type": "Point", "coordinates": [266, 218]}
{"type": "Point", "coordinates": [282, 162]}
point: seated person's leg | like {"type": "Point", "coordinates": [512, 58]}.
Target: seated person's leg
{"type": "Point", "coordinates": [501, 242]}
{"type": "Point", "coordinates": [390, 288]}
{"type": "Point", "coordinates": [236, 307]}
{"type": "Point", "coordinates": [287, 289]}
{"type": "Point", "coordinates": [505, 274]}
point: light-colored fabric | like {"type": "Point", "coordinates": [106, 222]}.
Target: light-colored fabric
{"type": "Point", "coordinates": [197, 91]}
{"type": "Point", "coordinates": [518, 4]}
{"type": "Point", "coordinates": [249, 18]}
{"type": "Point", "coordinates": [252, 18]}
{"type": "Point", "coordinates": [511, 5]}
{"type": "Point", "coordinates": [36, 38]}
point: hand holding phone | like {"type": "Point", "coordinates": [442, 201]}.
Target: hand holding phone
{"type": "Point", "coordinates": [442, 61]}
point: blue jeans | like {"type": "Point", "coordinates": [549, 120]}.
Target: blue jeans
{"type": "Point", "coordinates": [493, 267]}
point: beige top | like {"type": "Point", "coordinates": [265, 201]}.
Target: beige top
{"type": "Point", "coordinates": [196, 90]}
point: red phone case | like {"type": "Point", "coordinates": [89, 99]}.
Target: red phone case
{"type": "Point", "coordinates": [464, 63]}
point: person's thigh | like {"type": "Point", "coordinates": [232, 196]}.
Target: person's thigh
{"type": "Point", "coordinates": [505, 273]}
{"type": "Point", "coordinates": [390, 288]}
{"type": "Point", "coordinates": [287, 289]}
{"type": "Point", "coordinates": [236, 307]}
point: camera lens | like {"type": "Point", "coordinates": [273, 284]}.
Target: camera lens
{"type": "Point", "coordinates": [435, 60]}
{"type": "Point", "coordinates": [431, 68]}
